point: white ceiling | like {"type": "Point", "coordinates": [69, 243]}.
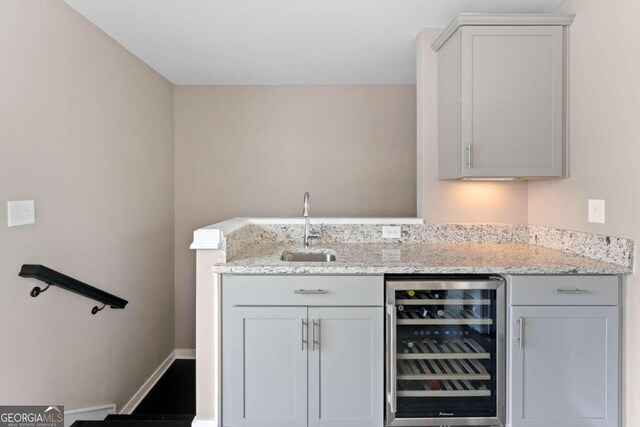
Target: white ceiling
{"type": "Point", "coordinates": [282, 41]}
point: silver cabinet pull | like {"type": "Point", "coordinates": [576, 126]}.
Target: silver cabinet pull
{"type": "Point", "coordinates": [303, 327]}
{"type": "Point", "coordinates": [316, 322]}
{"type": "Point", "coordinates": [469, 156]}
{"type": "Point", "coordinates": [571, 291]}
{"type": "Point", "coordinates": [393, 374]}
{"type": "Point", "coordinates": [310, 291]}
{"type": "Point", "coordinates": [520, 338]}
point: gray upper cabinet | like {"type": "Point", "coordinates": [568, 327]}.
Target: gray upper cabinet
{"type": "Point", "coordinates": [502, 97]}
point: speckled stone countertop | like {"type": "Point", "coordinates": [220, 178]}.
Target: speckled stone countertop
{"type": "Point", "coordinates": [418, 258]}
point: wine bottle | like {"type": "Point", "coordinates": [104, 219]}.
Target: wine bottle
{"type": "Point", "coordinates": [433, 384]}
{"type": "Point", "coordinates": [438, 294]}
{"type": "Point", "coordinates": [411, 294]}
{"type": "Point", "coordinates": [408, 347]}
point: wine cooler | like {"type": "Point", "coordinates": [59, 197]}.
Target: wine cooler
{"type": "Point", "coordinates": [445, 351]}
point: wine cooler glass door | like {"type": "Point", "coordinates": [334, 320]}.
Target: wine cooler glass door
{"type": "Point", "coordinates": [445, 342]}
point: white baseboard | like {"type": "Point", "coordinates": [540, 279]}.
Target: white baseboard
{"type": "Point", "coordinates": [204, 423]}
{"type": "Point", "coordinates": [153, 379]}
{"type": "Point", "coordinates": [148, 385]}
{"type": "Point", "coordinates": [88, 414]}
{"type": "Point", "coordinates": [185, 353]}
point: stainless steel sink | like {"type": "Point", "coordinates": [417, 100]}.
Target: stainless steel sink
{"type": "Point", "coordinates": [292, 256]}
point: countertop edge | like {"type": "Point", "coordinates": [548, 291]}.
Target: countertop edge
{"type": "Point", "coordinates": [320, 270]}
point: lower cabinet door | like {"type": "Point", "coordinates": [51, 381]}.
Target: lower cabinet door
{"type": "Point", "coordinates": [564, 366]}
{"type": "Point", "coordinates": [269, 366]}
{"type": "Point", "coordinates": [346, 370]}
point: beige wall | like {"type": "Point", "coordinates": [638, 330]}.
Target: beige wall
{"type": "Point", "coordinates": [454, 201]}
{"type": "Point", "coordinates": [254, 151]}
{"type": "Point", "coordinates": [87, 131]}
{"type": "Point", "coordinates": [605, 107]}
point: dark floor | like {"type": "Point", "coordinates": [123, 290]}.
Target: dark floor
{"type": "Point", "coordinates": [174, 393]}
{"type": "Point", "coordinates": [170, 403]}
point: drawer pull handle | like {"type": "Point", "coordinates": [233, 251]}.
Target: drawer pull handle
{"type": "Point", "coordinates": [311, 291]}
{"type": "Point", "coordinates": [571, 291]}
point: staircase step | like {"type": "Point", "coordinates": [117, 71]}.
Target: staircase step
{"type": "Point", "coordinates": [150, 417]}
{"type": "Point", "coordinates": [133, 423]}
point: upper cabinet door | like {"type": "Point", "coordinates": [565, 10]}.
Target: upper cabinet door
{"type": "Point", "coordinates": [269, 376]}
{"type": "Point", "coordinates": [512, 101]}
{"type": "Point", "coordinates": [564, 365]}
{"type": "Point", "coordinates": [346, 367]}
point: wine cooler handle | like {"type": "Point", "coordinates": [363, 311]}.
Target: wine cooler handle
{"type": "Point", "coordinates": [520, 338]}
{"type": "Point", "coordinates": [393, 368]}
{"type": "Point", "coordinates": [303, 327]}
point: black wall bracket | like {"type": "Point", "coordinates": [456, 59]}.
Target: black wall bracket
{"type": "Point", "coordinates": [54, 278]}
{"type": "Point", "coordinates": [37, 291]}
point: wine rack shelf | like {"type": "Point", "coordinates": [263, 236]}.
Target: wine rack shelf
{"type": "Point", "coordinates": [452, 388]}
{"type": "Point", "coordinates": [465, 348]}
{"type": "Point", "coordinates": [462, 317]}
{"type": "Point", "coordinates": [454, 297]}
{"type": "Point", "coordinates": [417, 370]}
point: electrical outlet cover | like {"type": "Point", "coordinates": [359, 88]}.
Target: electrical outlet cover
{"type": "Point", "coordinates": [391, 232]}
{"type": "Point", "coordinates": [596, 211]}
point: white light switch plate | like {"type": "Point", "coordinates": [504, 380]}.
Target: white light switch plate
{"type": "Point", "coordinates": [21, 212]}
{"type": "Point", "coordinates": [391, 232]}
{"type": "Point", "coordinates": [596, 211]}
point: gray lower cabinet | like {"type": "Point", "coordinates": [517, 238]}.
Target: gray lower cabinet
{"type": "Point", "coordinates": [321, 364]}
{"type": "Point", "coordinates": [346, 367]}
{"type": "Point", "coordinates": [269, 370]}
{"type": "Point", "coordinates": [564, 359]}
{"type": "Point", "coordinates": [308, 356]}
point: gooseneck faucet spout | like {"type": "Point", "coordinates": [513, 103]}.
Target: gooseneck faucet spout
{"type": "Point", "coordinates": [307, 226]}
{"type": "Point", "coordinates": [305, 207]}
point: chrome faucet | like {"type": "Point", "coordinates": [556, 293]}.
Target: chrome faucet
{"type": "Point", "coordinates": [307, 226]}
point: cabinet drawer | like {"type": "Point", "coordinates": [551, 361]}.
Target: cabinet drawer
{"type": "Point", "coordinates": [303, 290]}
{"type": "Point", "coordinates": [564, 290]}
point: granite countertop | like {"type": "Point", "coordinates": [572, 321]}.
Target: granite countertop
{"type": "Point", "coordinates": [418, 258]}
